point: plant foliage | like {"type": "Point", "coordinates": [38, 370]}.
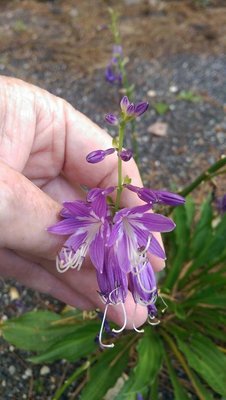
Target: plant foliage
{"type": "Point", "coordinates": [187, 345]}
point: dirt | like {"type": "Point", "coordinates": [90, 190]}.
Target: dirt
{"type": "Point", "coordinates": [64, 46]}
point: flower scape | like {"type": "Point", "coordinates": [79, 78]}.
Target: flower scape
{"type": "Point", "coordinates": [118, 241]}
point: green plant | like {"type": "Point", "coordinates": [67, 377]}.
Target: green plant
{"type": "Point", "coordinates": [161, 108]}
{"type": "Point", "coordinates": [188, 95]}
{"type": "Point", "coordinates": [189, 342]}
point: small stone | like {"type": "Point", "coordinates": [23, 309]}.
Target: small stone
{"type": "Point", "coordinates": [13, 293]}
{"type": "Point", "coordinates": [4, 318]}
{"type": "Point", "coordinates": [28, 372]}
{"type": "Point", "coordinates": [12, 369]}
{"type": "Point", "coordinates": [11, 348]}
{"type": "Point", "coordinates": [45, 370]}
{"type": "Point", "coordinates": [173, 89]}
{"type": "Point", "coordinates": [151, 93]}
{"type": "Point", "coordinates": [158, 129]}
{"type": "Point", "coordinates": [73, 12]}
{"type": "Point", "coordinates": [3, 383]}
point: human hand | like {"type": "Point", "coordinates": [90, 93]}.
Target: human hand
{"type": "Point", "coordinates": [44, 143]}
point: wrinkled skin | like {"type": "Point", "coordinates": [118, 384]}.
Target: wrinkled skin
{"type": "Point", "coordinates": [43, 144]}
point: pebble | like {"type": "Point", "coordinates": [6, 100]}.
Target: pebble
{"type": "Point", "coordinates": [13, 293]}
{"type": "Point", "coordinates": [45, 370]}
{"type": "Point", "coordinates": [151, 93]}
{"type": "Point", "coordinates": [173, 89]}
{"type": "Point", "coordinates": [12, 369]}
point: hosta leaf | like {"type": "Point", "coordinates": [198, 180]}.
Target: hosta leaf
{"type": "Point", "coordinates": [190, 210]}
{"type": "Point", "coordinates": [207, 360]}
{"type": "Point", "coordinates": [179, 391]}
{"type": "Point", "coordinates": [104, 374]}
{"type": "Point", "coordinates": [203, 229]}
{"type": "Point", "coordinates": [71, 347]}
{"type": "Point", "coordinates": [182, 240]}
{"type": "Point", "coordinates": [150, 354]}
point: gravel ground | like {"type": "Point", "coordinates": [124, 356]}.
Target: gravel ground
{"type": "Point", "coordinates": [196, 137]}
{"type": "Point", "coordinates": [32, 43]}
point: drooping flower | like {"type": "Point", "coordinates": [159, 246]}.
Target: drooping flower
{"type": "Point", "coordinates": [88, 227]}
{"type": "Point", "coordinates": [132, 235]}
{"type": "Point", "coordinates": [157, 196]}
{"type": "Point", "coordinates": [113, 285]}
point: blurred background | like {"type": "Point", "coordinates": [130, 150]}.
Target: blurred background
{"type": "Point", "coordinates": [176, 58]}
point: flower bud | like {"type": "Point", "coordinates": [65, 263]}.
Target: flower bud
{"type": "Point", "coordinates": [140, 108]}
{"type": "Point", "coordinates": [125, 155]}
{"type": "Point", "coordinates": [111, 119]}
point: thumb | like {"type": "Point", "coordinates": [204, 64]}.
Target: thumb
{"type": "Point", "coordinates": [25, 213]}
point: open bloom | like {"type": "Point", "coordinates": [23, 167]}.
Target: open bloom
{"type": "Point", "coordinates": [88, 228]}
{"type": "Point", "coordinates": [131, 110]}
{"type": "Point", "coordinates": [133, 237]}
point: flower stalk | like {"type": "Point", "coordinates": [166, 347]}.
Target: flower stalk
{"type": "Point", "coordinates": [122, 126]}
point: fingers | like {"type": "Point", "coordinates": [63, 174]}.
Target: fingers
{"type": "Point", "coordinates": [25, 213]}
{"type": "Point", "coordinates": [36, 277]}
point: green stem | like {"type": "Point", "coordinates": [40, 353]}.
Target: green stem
{"type": "Point", "coordinates": [120, 179]}
{"type": "Point", "coordinates": [71, 379]}
{"type": "Point", "coordinates": [205, 176]}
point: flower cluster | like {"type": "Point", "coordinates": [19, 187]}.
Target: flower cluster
{"type": "Point", "coordinates": [118, 241]}
{"type": "Point", "coordinates": [112, 72]}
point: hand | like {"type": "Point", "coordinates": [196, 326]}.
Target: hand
{"type": "Point", "coordinates": [43, 145]}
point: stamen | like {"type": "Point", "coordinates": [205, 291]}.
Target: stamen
{"type": "Point", "coordinates": [134, 327]}
{"type": "Point", "coordinates": [125, 321]}
{"type": "Point", "coordinates": [143, 288]}
{"type": "Point", "coordinates": [144, 251]}
{"type": "Point", "coordinates": [101, 330]}
{"type": "Point", "coordinates": [157, 322]}
{"type": "Point", "coordinates": [166, 305]}
{"type": "Point", "coordinates": [110, 294]}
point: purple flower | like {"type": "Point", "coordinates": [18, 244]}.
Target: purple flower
{"type": "Point", "coordinates": [112, 72]}
{"type": "Point", "coordinates": [125, 155]}
{"type": "Point", "coordinates": [111, 119]}
{"type": "Point", "coordinates": [132, 235]}
{"type": "Point", "coordinates": [88, 229]}
{"type": "Point", "coordinates": [98, 155]}
{"type": "Point", "coordinates": [131, 110]}
{"type": "Point", "coordinates": [221, 204]}
{"type": "Point", "coordinates": [113, 286]}
{"type": "Point", "coordinates": [142, 283]}
{"type": "Point", "coordinates": [157, 196]}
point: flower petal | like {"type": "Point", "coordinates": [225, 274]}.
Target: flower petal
{"type": "Point", "coordinates": [96, 252]}
{"type": "Point", "coordinates": [65, 227]}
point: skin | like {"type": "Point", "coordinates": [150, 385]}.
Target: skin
{"type": "Point", "coordinates": [43, 145]}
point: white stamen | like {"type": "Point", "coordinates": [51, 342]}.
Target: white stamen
{"type": "Point", "coordinates": [101, 330]}
{"type": "Point", "coordinates": [134, 327]}
{"type": "Point", "coordinates": [153, 323]}
{"type": "Point", "coordinates": [125, 320]}
{"type": "Point", "coordinates": [166, 306]}
{"type": "Point", "coordinates": [143, 288]}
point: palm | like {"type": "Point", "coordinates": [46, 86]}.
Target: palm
{"type": "Point", "coordinates": [45, 141]}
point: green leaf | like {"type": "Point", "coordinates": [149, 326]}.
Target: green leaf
{"type": "Point", "coordinates": [190, 211]}
{"type": "Point", "coordinates": [71, 347]}
{"type": "Point", "coordinates": [188, 95]}
{"type": "Point", "coordinates": [182, 240]}
{"type": "Point", "coordinates": [179, 392]}
{"type": "Point", "coordinates": [150, 354]}
{"type": "Point", "coordinates": [104, 374]}
{"type": "Point", "coordinates": [203, 229]}
{"type": "Point", "coordinates": [161, 108]}
{"type": "Point", "coordinates": [207, 360]}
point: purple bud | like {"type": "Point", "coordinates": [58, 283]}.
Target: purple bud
{"type": "Point", "coordinates": [130, 112]}
{"type": "Point", "coordinates": [98, 155]}
{"type": "Point", "coordinates": [124, 104]}
{"type": "Point", "coordinates": [125, 155]}
{"type": "Point", "coordinates": [171, 199]}
{"type": "Point", "coordinates": [111, 119]}
{"type": "Point", "coordinates": [140, 108]}
{"type": "Point", "coordinates": [117, 50]}
{"type": "Point", "coordinates": [95, 156]}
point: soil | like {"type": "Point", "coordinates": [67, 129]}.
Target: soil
{"type": "Point", "coordinates": [64, 47]}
